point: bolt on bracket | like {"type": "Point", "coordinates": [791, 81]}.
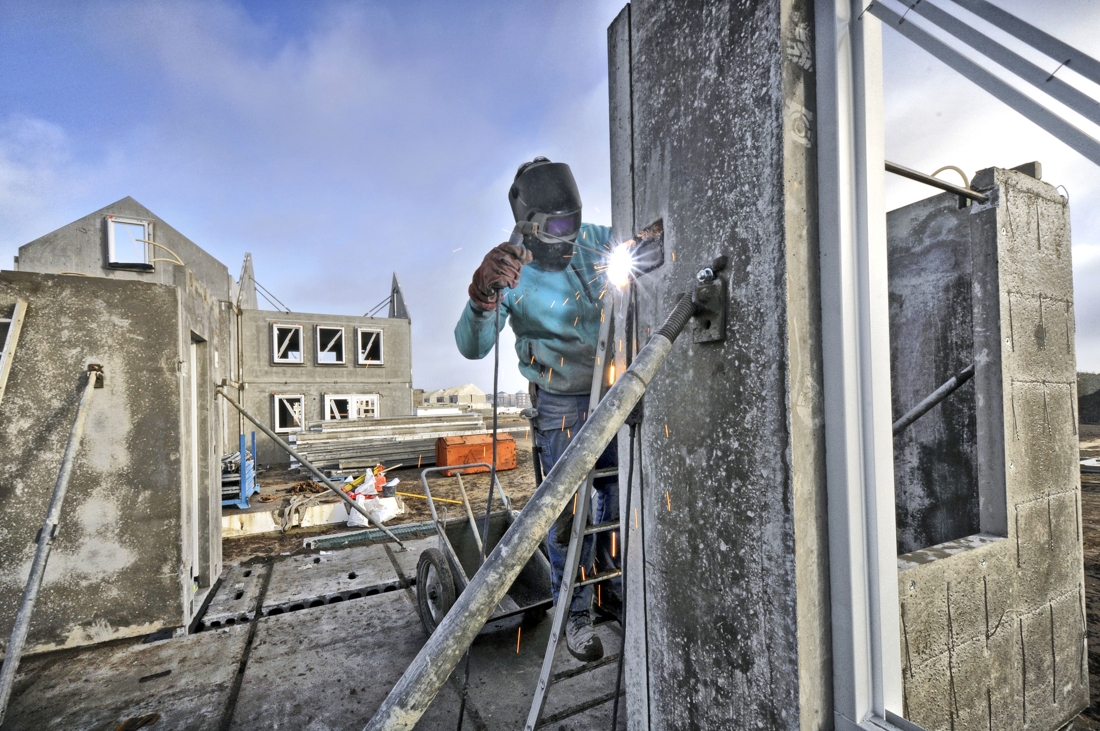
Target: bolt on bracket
{"type": "Point", "coordinates": [711, 303]}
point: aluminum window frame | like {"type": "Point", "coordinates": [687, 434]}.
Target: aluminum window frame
{"type": "Point", "coordinates": [113, 262]}
{"type": "Point", "coordinates": [275, 398]}
{"type": "Point", "coordinates": [275, 350]}
{"type": "Point", "coordinates": [359, 354]}
{"type": "Point", "coordinates": [319, 344]}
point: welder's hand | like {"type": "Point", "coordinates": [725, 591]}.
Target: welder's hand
{"type": "Point", "coordinates": [500, 268]}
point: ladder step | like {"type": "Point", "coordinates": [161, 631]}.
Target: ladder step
{"type": "Point", "coordinates": [602, 576]}
{"type": "Point", "coordinates": [582, 669]}
{"type": "Point", "coordinates": [601, 527]}
{"type": "Point", "coordinates": [606, 472]}
{"type": "Point", "coordinates": [562, 715]}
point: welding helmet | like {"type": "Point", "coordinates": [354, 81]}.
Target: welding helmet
{"type": "Point", "coordinates": [545, 194]}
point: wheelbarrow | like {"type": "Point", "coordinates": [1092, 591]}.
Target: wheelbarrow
{"type": "Point", "coordinates": [443, 573]}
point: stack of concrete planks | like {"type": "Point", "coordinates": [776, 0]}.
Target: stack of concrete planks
{"type": "Point", "coordinates": [348, 446]}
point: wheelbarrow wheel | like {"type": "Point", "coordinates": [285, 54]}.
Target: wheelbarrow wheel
{"type": "Point", "coordinates": [435, 588]}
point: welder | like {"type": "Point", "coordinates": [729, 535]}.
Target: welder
{"type": "Point", "coordinates": [549, 289]}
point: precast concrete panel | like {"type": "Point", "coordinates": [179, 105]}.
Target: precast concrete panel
{"type": "Point", "coordinates": [118, 567]}
{"type": "Point", "coordinates": [993, 624]}
{"type": "Point", "coordinates": [712, 134]}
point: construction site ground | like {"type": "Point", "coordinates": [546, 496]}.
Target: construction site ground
{"type": "Point", "coordinates": [314, 639]}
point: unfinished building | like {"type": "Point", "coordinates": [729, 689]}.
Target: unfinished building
{"type": "Point", "coordinates": [143, 544]}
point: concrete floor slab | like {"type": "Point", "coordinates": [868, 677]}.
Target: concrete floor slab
{"type": "Point", "coordinates": [187, 680]}
{"type": "Point", "coordinates": [315, 579]}
{"type": "Point", "coordinates": [331, 667]}
{"type": "Point", "coordinates": [237, 597]}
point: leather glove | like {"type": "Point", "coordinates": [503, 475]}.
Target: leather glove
{"type": "Point", "coordinates": [500, 268]}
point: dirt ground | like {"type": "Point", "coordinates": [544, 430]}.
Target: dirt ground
{"type": "Point", "coordinates": [518, 485]}
{"type": "Point", "coordinates": [1090, 525]}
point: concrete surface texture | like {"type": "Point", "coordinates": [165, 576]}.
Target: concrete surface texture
{"type": "Point", "coordinates": [993, 625]}
{"type": "Point", "coordinates": [932, 339]}
{"type": "Point", "coordinates": [390, 381]}
{"type": "Point", "coordinates": [205, 354]}
{"type": "Point", "coordinates": [324, 668]}
{"type": "Point", "coordinates": [712, 133]}
{"type": "Point", "coordinates": [121, 565]}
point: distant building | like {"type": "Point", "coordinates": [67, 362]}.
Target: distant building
{"type": "Point", "coordinates": [517, 400]}
{"type": "Point", "coordinates": [456, 396]}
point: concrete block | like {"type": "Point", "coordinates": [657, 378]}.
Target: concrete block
{"type": "Point", "coordinates": [1070, 654]}
{"type": "Point", "coordinates": [1036, 632]}
{"type": "Point", "coordinates": [966, 602]}
{"type": "Point", "coordinates": [1004, 675]}
{"type": "Point", "coordinates": [927, 694]}
{"type": "Point", "coordinates": [1034, 229]}
{"type": "Point", "coordinates": [924, 617]}
{"type": "Point", "coordinates": [1041, 332]}
{"type": "Point", "coordinates": [187, 680]}
{"type": "Point", "coordinates": [970, 685]}
{"type": "Point", "coordinates": [1042, 451]}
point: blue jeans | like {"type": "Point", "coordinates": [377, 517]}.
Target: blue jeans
{"type": "Point", "coordinates": [559, 420]}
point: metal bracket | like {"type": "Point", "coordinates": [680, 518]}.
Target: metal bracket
{"type": "Point", "coordinates": [100, 378]}
{"type": "Point", "coordinates": [711, 304]}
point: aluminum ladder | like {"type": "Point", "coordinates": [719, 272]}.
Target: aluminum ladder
{"type": "Point", "coordinates": [581, 529]}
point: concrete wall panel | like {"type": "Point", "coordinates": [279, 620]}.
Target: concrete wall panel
{"type": "Point", "coordinates": [117, 568]}
{"type": "Point", "coordinates": [721, 151]}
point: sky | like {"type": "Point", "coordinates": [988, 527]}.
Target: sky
{"type": "Point", "coordinates": [341, 141]}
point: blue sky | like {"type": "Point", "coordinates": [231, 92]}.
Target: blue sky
{"type": "Point", "coordinates": [341, 141]}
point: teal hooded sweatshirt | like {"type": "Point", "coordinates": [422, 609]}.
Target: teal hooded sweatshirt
{"type": "Point", "coordinates": [555, 316]}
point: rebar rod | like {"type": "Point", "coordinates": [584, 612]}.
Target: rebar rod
{"type": "Point", "coordinates": [45, 539]}
{"type": "Point", "coordinates": [430, 669]}
{"type": "Point", "coordinates": [934, 398]}
{"type": "Point", "coordinates": [309, 466]}
{"type": "Point", "coordinates": [893, 167]}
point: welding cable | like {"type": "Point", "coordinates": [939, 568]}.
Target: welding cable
{"type": "Point", "coordinates": [966, 180]}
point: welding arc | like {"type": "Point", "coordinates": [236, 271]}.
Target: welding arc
{"type": "Point", "coordinates": [433, 665]}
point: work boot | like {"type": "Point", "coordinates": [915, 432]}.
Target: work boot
{"type": "Point", "coordinates": [581, 639]}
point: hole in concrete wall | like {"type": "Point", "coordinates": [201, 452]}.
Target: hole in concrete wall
{"type": "Point", "coordinates": [247, 574]}
{"type": "Point", "coordinates": [390, 587]}
{"type": "Point", "coordinates": [370, 346]}
{"type": "Point", "coordinates": [330, 345]}
{"type": "Point", "coordinates": [295, 607]}
{"type": "Point", "coordinates": [317, 560]}
{"type": "Point", "coordinates": [289, 412]}
{"type": "Point", "coordinates": [238, 595]}
{"type": "Point", "coordinates": [230, 622]}
{"type": "Point", "coordinates": [276, 610]}
{"type": "Point", "coordinates": [317, 603]}
{"type": "Point", "coordinates": [286, 343]}
{"type": "Point", "coordinates": [355, 595]}
{"type": "Point", "coordinates": [338, 598]}
{"type": "Point", "coordinates": [353, 575]}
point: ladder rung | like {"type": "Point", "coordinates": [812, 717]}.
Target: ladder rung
{"type": "Point", "coordinates": [606, 472]}
{"type": "Point", "coordinates": [601, 527]}
{"type": "Point", "coordinates": [573, 711]}
{"type": "Point", "coordinates": [588, 667]}
{"type": "Point", "coordinates": [602, 576]}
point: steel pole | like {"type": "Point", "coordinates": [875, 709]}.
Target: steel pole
{"type": "Point", "coordinates": [434, 663]}
{"type": "Point", "coordinates": [309, 466]}
{"type": "Point", "coordinates": [931, 400]}
{"type": "Point", "coordinates": [45, 544]}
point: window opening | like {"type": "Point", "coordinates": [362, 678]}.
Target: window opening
{"type": "Point", "coordinates": [330, 345]}
{"type": "Point", "coordinates": [128, 243]}
{"type": "Point", "coordinates": [351, 406]}
{"type": "Point", "coordinates": [286, 343]}
{"type": "Point", "coordinates": [289, 413]}
{"type": "Point", "coordinates": [370, 347]}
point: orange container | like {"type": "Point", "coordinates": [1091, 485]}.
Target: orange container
{"type": "Point", "coordinates": [475, 448]}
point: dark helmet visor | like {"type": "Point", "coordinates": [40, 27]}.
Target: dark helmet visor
{"type": "Point", "coordinates": [563, 227]}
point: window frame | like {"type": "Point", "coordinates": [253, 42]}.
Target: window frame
{"type": "Point", "coordinates": [275, 398]}
{"type": "Point", "coordinates": [275, 358]}
{"type": "Point", "coordinates": [351, 398]}
{"type": "Point", "coordinates": [359, 359]}
{"type": "Point", "coordinates": [319, 343]}
{"type": "Point", "coordinates": [112, 260]}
